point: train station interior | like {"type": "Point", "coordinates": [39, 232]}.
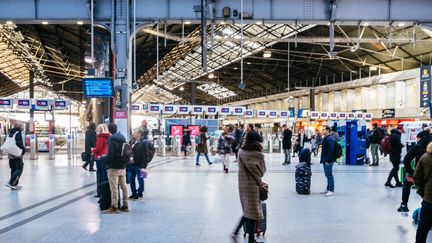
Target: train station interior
{"type": "Point", "coordinates": [188, 84]}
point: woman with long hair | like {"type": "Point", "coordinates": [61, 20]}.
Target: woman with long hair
{"type": "Point", "coordinates": [201, 141]}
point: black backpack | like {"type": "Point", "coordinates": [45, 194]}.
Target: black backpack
{"type": "Point", "coordinates": [126, 154]}
{"type": "Point", "coordinates": [337, 150]}
{"type": "Point", "coordinates": [150, 150]}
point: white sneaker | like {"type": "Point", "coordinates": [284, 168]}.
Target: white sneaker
{"type": "Point", "coordinates": [324, 192]}
{"type": "Point", "coordinates": [329, 194]}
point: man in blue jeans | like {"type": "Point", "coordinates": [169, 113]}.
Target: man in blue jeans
{"type": "Point", "coordinates": [328, 159]}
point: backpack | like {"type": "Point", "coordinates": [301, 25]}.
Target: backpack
{"type": "Point", "coordinates": [386, 145]}
{"type": "Point", "coordinates": [198, 139]}
{"type": "Point", "coordinates": [150, 150]}
{"type": "Point", "coordinates": [377, 135]}
{"type": "Point", "coordinates": [126, 154]}
{"type": "Point", "coordinates": [337, 150]}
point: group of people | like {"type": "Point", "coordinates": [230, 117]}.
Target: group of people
{"type": "Point", "coordinates": [104, 145]}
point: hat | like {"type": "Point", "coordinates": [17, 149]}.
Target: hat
{"type": "Point", "coordinates": [422, 134]}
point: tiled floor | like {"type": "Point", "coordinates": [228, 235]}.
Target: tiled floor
{"type": "Point", "coordinates": [184, 203]}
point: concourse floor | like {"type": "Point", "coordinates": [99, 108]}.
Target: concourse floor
{"type": "Point", "coordinates": [185, 203]}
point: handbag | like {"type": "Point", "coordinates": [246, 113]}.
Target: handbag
{"type": "Point", "coordinates": [264, 192]}
{"type": "Point", "coordinates": [84, 156]}
{"type": "Point", "coordinates": [11, 148]}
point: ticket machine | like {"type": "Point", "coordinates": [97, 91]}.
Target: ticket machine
{"type": "Point", "coordinates": [33, 147]}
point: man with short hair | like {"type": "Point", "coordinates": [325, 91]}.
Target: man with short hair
{"type": "Point", "coordinates": [328, 159]}
{"type": "Point", "coordinates": [16, 163]}
{"type": "Point", "coordinates": [286, 144]}
{"type": "Point", "coordinates": [116, 170]}
{"type": "Point", "coordinates": [144, 127]}
{"type": "Point", "coordinates": [375, 141]}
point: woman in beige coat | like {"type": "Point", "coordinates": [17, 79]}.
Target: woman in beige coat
{"type": "Point", "coordinates": [251, 170]}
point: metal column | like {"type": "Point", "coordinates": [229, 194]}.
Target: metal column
{"type": "Point", "coordinates": [31, 96]}
{"type": "Point", "coordinates": [312, 99]}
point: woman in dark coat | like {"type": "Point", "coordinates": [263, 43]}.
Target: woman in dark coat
{"type": "Point", "coordinates": [90, 142]}
{"type": "Point", "coordinates": [186, 141]}
{"type": "Point", "coordinates": [202, 145]}
{"type": "Point", "coordinates": [251, 169]}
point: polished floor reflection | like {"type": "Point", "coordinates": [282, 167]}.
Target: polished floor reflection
{"type": "Point", "coordinates": [184, 203]}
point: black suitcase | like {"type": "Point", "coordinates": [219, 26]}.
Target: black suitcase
{"type": "Point", "coordinates": [303, 179]}
{"type": "Point", "coordinates": [104, 195]}
{"type": "Point", "coordinates": [261, 225]}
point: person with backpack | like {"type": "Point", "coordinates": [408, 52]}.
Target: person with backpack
{"type": "Point", "coordinates": [140, 161]}
{"type": "Point", "coordinates": [375, 140]}
{"type": "Point", "coordinates": [286, 144]}
{"type": "Point", "coordinates": [395, 158]}
{"type": "Point", "coordinates": [16, 164]}
{"type": "Point", "coordinates": [90, 142]}
{"type": "Point", "coordinates": [414, 153]}
{"type": "Point", "coordinates": [117, 164]}
{"type": "Point", "coordinates": [328, 159]}
{"type": "Point", "coordinates": [201, 141]}
{"type": "Point", "coordinates": [423, 182]}
{"type": "Point", "coordinates": [224, 148]}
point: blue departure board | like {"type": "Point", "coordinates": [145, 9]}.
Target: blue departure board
{"type": "Point", "coordinates": [98, 87]}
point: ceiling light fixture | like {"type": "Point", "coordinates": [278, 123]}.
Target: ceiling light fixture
{"type": "Point", "coordinates": [187, 22]}
{"type": "Point", "coordinates": [401, 24]}
{"type": "Point", "coordinates": [267, 53]}
{"type": "Point", "coordinates": [248, 63]}
{"type": "Point", "coordinates": [80, 22]}
{"type": "Point", "coordinates": [44, 22]}
{"type": "Point", "coordinates": [181, 88]}
{"type": "Point", "coordinates": [9, 22]}
{"type": "Point", "coordinates": [365, 24]}
{"type": "Point", "coordinates": [223, 22]}
{"type": "Point", "coordinates": [259, 22]}
{"type": "Point", "coordinates": [211, 75]}
{"type": "Point", "coordinates": [88, 59]}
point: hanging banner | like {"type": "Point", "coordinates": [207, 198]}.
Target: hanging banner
{"type": "Point", "coordinates": [155, 108]}
{"type": "Point", "coordinates": [239, 111]}
{"type": "Point", "coordinates": [169, 109]}
{"type": "Point", "coordinates": [60, 104]}
{"type": "Point", "coordinates": [261, 113]}
{"type": "Point", "coordinates": [273, 114]}
{"type": "Point", "coordinates": [135, 107]}
{"type": "Point", "coordinates": [197, 110]}
{"type": "Point", "coordinates": [6, 103]}
{"type": "Point", "coordinates": [23, 103]}
{"type": "Point", "coordinates": [183, 109]}
{"type": "Point", "coordinates": [324, 115]}
{"type": "Point", "coordinates": [42, 104]}
{"type": "Point", "coordinates": [425, 86]}
{"type": "Point", "coordinates": [249, 113]}
{"type": "Point", "coordinates": [351, 116]}
{"type": "Point", "coordinates": [283, 114]}
{"type": "Point", "coordinates": [211, 110]}
{"type": "Point", "coordinates": [333, 115]}
{"type": "Point", "coordinates": [225, 110]}
{"type": "Point", "coordinates": [368, 116]}
{"type": "Point", "coordinates": [314, 115]}
{"type": "Point", "coordinates": [342, 116]}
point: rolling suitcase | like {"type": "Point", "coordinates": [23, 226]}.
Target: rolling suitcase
{"type": "Point", "coordinates": [303, 179]}
{"type": "Point", "coordinates": [261, 225]}
{"type": "Point", "coordinates": [104, 195]}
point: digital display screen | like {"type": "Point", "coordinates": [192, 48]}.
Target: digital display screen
{"type": "Point", "coordinates": [324, 114]}
{"type": "Point", "coordinates": [5, 102]}
{"type": "Point", "coordinates": [225, 110]}
{"type": "Point", "coordinates": [198, 109]}
{"type": "Point", "coordinates": [183, 109]}
{"type": "Point", "coordinates": [333, 115]}
{"type": "Point", "coordinates": [350, 115]}
{"type": "Point", "coordinates": [211, 109]}
{"type": "Point", "coordinates": [315, 114]}
{"type": "Point", "coordinates": [24, 102]}
{"type": "Point", "coordinates": [368, 116]}
{"type": "Point", "coordinates": [249, 113]}
{"type": "Point", "coordinates": [238, 110]}
{"type": "Point", "coordinates": [262, 113]}
{"type": "Point", "coordinates": [154, 108]}
{"type": "Point", "coordinates": [177, 130]}
{"type": "Point", "coordinates": [135, 107]}
{"type": "Point", "coordinates": [272, 113]}
{"type": "Point", "coordinates": [169, 108]}
{"type": "Point", "coordinates": [98, 87]}
{"type": "Point", "coordinates": [60, 103]}
{"type": "Point", "coordinates": [284, 114]}
{"type": "Point", "coordinates": [42, 103]}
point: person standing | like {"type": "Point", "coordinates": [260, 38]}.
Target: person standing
{"type": "Point", "coordinates": [186, 141]}
{"type": "Point", "coordinates": [251, 170]}
{"type": "Point", "coordinates": [301, 140]}
{"type": "Point", "coordinates": [328, 159]}
{"type": "Point", "coordinates": [224, 148]}
{"type": "Point", "coordinates": [202, 145]}
{"type": "Point", "coordinates": [318, 141]}
{"type": "Point", "coordinates": [423, 182]}
{"type": "Point", "coordinates": [90, 142]}
{"type": "Point", "coordinates": [140, 161]}
{"type": "Point", "coordinates": [375, 140]}
{"type": "Point", "coordinates": [116, 171]}
{"type": "Point", "coordinates": [334, 134]}
{"type": "Point", "coordinates": [395, 158]}
{"type": "Point", "coordinates": [100, 150]}
{"type": "Point", "coordinates": [144, 127]}
{"type": "Point", "coordinates": [414, 153]}
{"type": "Point", "coordinates": [286, 144]}
{"type": "Point", "coordinates": [16, 164]}
{"type": "Point", "coordinates": [238, 135]}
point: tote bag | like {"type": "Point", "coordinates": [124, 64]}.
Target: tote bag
{"type": "Point", "coordinates": [10, 146]}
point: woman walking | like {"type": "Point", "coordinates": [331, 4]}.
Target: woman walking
{"type": "Point", "coordinates": [140, 161]}
{"type": "Point", "coordinates": [201, 140]}
{"type": "Point", "coordinates": [251, 170]}
{"type": "Point", "coordinates": [224, 148]}
{"type": "Point", "coordinates": [90, 142]}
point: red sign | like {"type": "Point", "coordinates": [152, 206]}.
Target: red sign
{"type": "Point", "coordinates": [177, 130]}
{"type": "Point", "coordinates": [194, 130]}
{"type": "Point", "coordinates": [120, 114]}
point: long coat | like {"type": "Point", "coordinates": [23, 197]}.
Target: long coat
{"type": "Point", "coordinates": [251, 170]}
{"type": "Point", "coordinates": [202, 147]}
{"type": "Point", "coordinates": [287, 137]}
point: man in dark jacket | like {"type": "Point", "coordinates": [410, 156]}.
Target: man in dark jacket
{"type": "Point", "coordinates": [395, 158]}
{"type": "Point", "coordinates": [375, 140]}
{"type": "Point", "coordinates": [415, 153]}
{"type": "Point", "coordinates": [140, 158]}
{"type": "Point", "coordinates": [16, 164]}
{"type": "Point", "coordinates": [116, 170]}
{"type": "Point", "coordinates": [286, 144]}
{"type": "Point", "coordinates": [238, 135]}
{"type": "Point", "coordinates": [90, 142]}
{"type": "Point", "coordinates": [423, 182]}
{"type": "Point", "coordinates": [328, 159]}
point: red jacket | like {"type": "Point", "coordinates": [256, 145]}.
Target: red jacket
{"type": "Point", "coordinates": [101, 148]}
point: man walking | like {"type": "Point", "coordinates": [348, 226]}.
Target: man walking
{"type": "Point", "coordinates": [238, 135]}
{"type": "Point", "coordinates": [90, 142]}
{"type": "Point", "coordinates": [375, 140]}
{"type": "Point", "coordinates": [144, 127]}
{"type": "Point", "coordinates": [286, 144]}
{"type": "Point", "coordinates": [395, 158]}
{"type": "Point", "coordinates": [328, 159]}
{"type": "Point", "coordinates": [116, 171]}
{"type": "Point", "coordinates": [16, 163]}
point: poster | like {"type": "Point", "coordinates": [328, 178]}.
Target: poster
{"type": "Point", "coordinates": [121, 120]}
{"type": "Point", "coordinates": [425, 86]}
{"type": "Point", "coordinates": [194, 130]}
{"type": "Point", "coordinates": [177, 130]}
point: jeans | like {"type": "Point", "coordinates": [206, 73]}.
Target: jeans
{"type": "Point", "coordinates": [425, 223]}
{"type": "Point", "coordinates": [250, 228]}
{"type": "Point", "coordinates": [395, 160]}
{"type": "Point", "coordinates": [406, 191]}
{"type": "Point", "coordinates": [328, 171]}
{"type": "Point", "coordinates": [16, 166]}
{"type": "Point", "coordinates": [117, 177]}
{"type": "Point", "coordinates": [374, 150]}
{"type": "Point", "coordinates": [136, 173]}
{"type": "Point", "coordinates": [101, 172]}
{"type": "Point", "coordinates": [199, 155]}
{"type": "Point", "coordinates": [287, 153]}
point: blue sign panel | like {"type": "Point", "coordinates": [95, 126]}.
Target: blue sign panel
{"type": "Point", "coordinates": [425, 86]}
{"type": "Point", "coordinates": [98, 87]}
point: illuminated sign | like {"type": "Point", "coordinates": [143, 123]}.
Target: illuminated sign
{"type": "Point", "coordinates": [198, 110]}
{"type": "Point", "coordinates": [249, 113]}
{"type": "Point", "coordinates": [351, 115]}
{"type": "Point", "coordinates": [333, 115]}
{"type": "Point", "coordinates": [60, 104]}
{"type": "Point", "coordinates": [314, 115]}
{"type": "Point", "coordinates": [155, 108]}
{"type": "Point", "coordinates": [368, 116]}
{"type": "Point", "coordinates": [5, 102]}
{"type": "Point", "coordinates": [342, 116]}
{"type": "Point", "coordinates": [135, 107]}
{"type": "Point", "coordinates": [212, 110]}
{"type": "Point", "coordinates": [23, 103]}
{"type": "Point", "coordinates": [183, 109]}
{"type": "Point", "coordinates": [239, 111]}
{"type": "Point", "coordinates": [273, 114]}
{"type": "Point", "coordinates": [225, 110]}
{"type": "Point", "coordinates": [324, 115]}
{"type": "Point", "coordinates": [169, 109]}
{"type": "Point", "coordinates": [261, 113]}
{"type": "Point", "coordinates": [283, 114]}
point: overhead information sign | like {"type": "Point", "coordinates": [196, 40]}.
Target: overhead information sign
{"type": "Point", "coordinates": [249, 113]}
{"type": "Point", "coordinates": [24, 103]}
{"type": "Point", "coordinates": [183, 109]}
{"type": "Point", "coordinates": [6, 103]}
{"type": "Point", "coordinates": [60, 104]}
{"type": "Point", "coordinates": [98, 87]}
{"type": "Point", "coordinates": [225, 111]}
{"type": "Point", "coordinates": [425, 86]}
{"type": "Point", "coordinates": [324, 115]}
{"type": "Point", "coordinates": [314, 115]}
{"type": "Point", "coordinates": [154, 108]}
{"type": "Point", "coordinates": [261, 114]}
{"type": "Point", "coordinates": [342, 116]}
{"type": "Point", "coordinates": [169, 109]}
{"type": "Point", "coordinates": [135, 107]}
{"type": "Point", "coordinates": [212, 110]}
{"type": "Point", "coordinates": [283, 114]}
{"type": "Point", "coordinates": [239, 111]}
{"type": "Point", "coordinates": [272, 114]}
{"type": "Point", "coordinates": [197, 110]}
{"type": "Point", "coordinates": [333, 115]}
